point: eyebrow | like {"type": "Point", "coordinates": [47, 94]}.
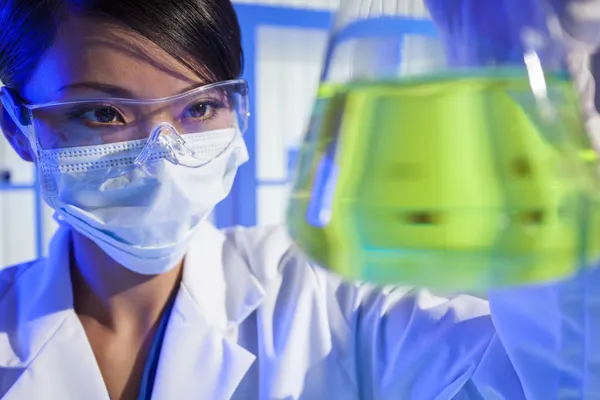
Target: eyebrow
{"type": "Point", "coordinates": [115, 91]}
{"type": "Point", "coordinates": [112, 90]}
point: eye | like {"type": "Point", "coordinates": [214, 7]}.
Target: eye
{"type": "Point", "coordinates": [102, 116]}
{"type": "Point", "coordinates": [201, 110]}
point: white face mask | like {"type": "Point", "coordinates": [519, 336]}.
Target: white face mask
{"type": "Point", "coordinates": [142, 217]}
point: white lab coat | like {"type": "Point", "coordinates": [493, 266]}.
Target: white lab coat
{"type": "Point", "coordinates": [254, 320]}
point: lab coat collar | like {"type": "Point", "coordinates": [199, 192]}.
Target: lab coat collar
{"type": "Point", "coordinates": [44, 352]}
{"type": "Point", "coordinates": [200, 357]}
{"type": "Point", "coordinates": [217, 276]}
{"type": "Point", "coordinates": [35, 304]}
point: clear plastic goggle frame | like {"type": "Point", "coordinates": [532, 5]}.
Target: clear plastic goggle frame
{"type": "Point", "coordinates": [214, 114]}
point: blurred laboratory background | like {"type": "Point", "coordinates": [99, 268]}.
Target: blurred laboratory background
{"type": "Point", "coordinates": [284, 44]}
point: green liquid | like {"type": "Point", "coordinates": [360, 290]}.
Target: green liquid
{"type": "Point", "coordinates": [456, 183]}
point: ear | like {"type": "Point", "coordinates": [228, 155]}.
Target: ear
{"type": "Point", "coordinates": [15, 136]}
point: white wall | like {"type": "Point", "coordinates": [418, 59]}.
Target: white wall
{"type": "Point", "coordinates": [288, 76]}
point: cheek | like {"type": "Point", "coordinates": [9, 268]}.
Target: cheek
{"type": "Point", "coordinates": [49, 131]}
{"type": "Point", "coordinates": [224, 119]}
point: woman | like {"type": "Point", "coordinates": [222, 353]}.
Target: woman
{"type": "Point", "coordinates": [117, 312]}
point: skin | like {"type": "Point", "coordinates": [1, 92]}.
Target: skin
{"type": "Point", "coordinates": [118, 309]}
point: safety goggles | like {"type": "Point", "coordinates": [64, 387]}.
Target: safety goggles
{"type": "Point", "coordinates": [216, 112]}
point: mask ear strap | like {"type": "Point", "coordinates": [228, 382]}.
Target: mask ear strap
{"type": "Point", "coordinates": [20, 115]}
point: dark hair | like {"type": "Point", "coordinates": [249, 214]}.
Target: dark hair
{"type": "Point", "coordinates": [202, 34]}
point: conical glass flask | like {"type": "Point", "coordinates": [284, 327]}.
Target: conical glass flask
{"type": "Point", "coordinates": [446, 148]}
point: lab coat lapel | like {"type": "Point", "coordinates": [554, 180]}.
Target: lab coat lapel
{"type": "Point", "coordinates": [200, 358]}
{"type": "Point", "coordinates": [44, 353]}
{"type": "Point", "coordinates": [64, 369]}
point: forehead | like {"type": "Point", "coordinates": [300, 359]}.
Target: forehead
{"type": "Point", "coordinates": [88, 50]}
